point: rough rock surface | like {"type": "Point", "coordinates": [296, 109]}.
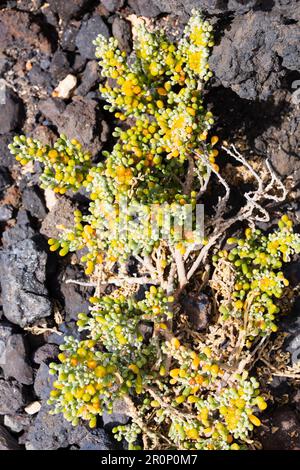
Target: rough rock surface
{"type": "Point", "coordinates": [291, 326]}
{"type": "Point", "coordinates": [285, 434]}
{"type": "Point", "coordinates": [16, 423]}
{"type": "Point", "coordinates": [89, 79]}
{"type": "Point", "coordinates": [11, 397]}
{"type": "Point", "coordinates": [18, 29]}
{"type": "Point", "coordinates": [117, 417]}
{"type": "Point", "coordinates": [148, 8]}
{"type": "Point", "coordinates": [254, 95]}
{"type": "Point", "coordinates": [76, 298]}
{"type": "Point", "coordinates": [61, 213]}
{"type": "Point", "coordinates": [68, 10]}
{"type": "Point", "coordinates": [33, 202]}
{"type": "Point", "coordinates": [122, 32]}
{"type": "Point", "coordinates": [212, 7]}
{"type": "Point", "coordinates": [113, 5]}
{"type": "Point", "coordinates": [88, 32]}
{"type": "Point", "coordinates": [45, 353]}
{"type": "Point", "coordinates": [11, 111]}
{"type": "Point", "coordinates": [15, 360]}
{"type": "Point", "coordinates": [43, 383]}
{"type": "Point", "coordinates": [6, 331]}
{"type": "Point", "coordinates": [20, 231]}
{"type": "Point", "coordinates": [60, 66]}
{"type": "Point", "coordinates": [6, 212]}
{"type": "Point", "coordinates": [7, 441]}
{"type": "Point", "coordinates": [96, 440]}
{"type": "Point", "coordinates": [6, 158]}
{"type": "Point", "coordinates": [50, 432]}
{"type": "Point", "coordinates": [5, 179]}
{"type": "Point", "coordinates": [281, 144]}
{"type": "Point", "coordinates": [47, 432]}
{"type": "Point", "coordinates": [253, 64]}
{"type": "Point", "coordinates": [198, 310]}
{"type": "Point", "coordinates": [79, 119]}
{"type": "Point", "coordinates": [24, 294]}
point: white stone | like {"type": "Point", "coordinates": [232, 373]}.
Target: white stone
{"type": "Point", "coordinates": [33, 408]}
{"type": "Point", "coordinates": [65, 87]}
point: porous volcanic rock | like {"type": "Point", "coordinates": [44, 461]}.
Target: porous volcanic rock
{"type": "Point", "coordinates": [24, 294]}
{"type": "Point", "coordinates": [15, 360]}
{"type": "Point", "coordinates": [11, 110]}
{"type": "Point", "coordinates": [89, 30]}
{"type": "Point", "coordinates": [18, 28]}
{"type": "Point", "coordinates": [80, 119]}
{"type": "Point", "coordinates": [12, 397]}
{"type": "Point", "coordinates": [254, 53]}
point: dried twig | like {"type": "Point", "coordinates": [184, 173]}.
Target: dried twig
{"type": "Point", "coordinates": [190, 176]}
{"type": "Point", "coordinates": [254, 204]}
{"type": "Point", "coordinates": [80, 283]}
{"type": "Point", "coordinates": [182, 279]}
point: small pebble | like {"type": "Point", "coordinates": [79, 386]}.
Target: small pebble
{"type": "Point", "coordinates": [33, 408]}
{"type": "Point", "coordinates": [65, 87]}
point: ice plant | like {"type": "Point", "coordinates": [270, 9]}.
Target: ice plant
{"type": "Point", "coordinates": [256, 262]}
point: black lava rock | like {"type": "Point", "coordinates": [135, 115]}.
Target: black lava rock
{"type": "Point", "coordinates": [67, 329]}
{"type": "Point", "coordinates": [33, 202]}
{"type": "Point", "coordinates": [12, 111]}
{"type": "Point", "coordinates": [76, 298]}
{"type": "Point", "coordinates": [98, 439]}
{"type": "Point", "coordinates": [43, 383]}
{"type": "Point", "coordinates": [5, 179]}
{"type": "Point", "coordinates": [80, 119]}
{"type": "Point", "coordinates": [148, 8]}
{"type": "Point", "coordinates": [280, 430]}
{"type": "Point", "coordinates": [292, 273]}
{"type": "Point", "coordinates": [113, 5]}
{"type": "Point", "coordinates": [121, 30]}
{"type": "Point", "coordinates": [89, 78]}
{"type": "Point", "coordinates": [39, 77]}
{"type": "Point", "coordinates": [60, 66]}
{"type": "Point", "coordinates": [198, 310]}
{"type": "Point", "coordinates": [254, 53]}
{"type": "Point", "coordinates": [6, 158]}
{"type": "Point", "coordinates": [6, 212]}
{"type": "Point", "coordinates": [21, 231]}
{"type": "Point", "coordinates": [12, 397]}
{"type": "Point", "coordinates": [291, 325]}
{"type": "Point", "coordinates": [47, 432]}
{"type": "Point", "coordinates": [24, 294]}
{"type": "Point", "coordinates": [15, 362]}
{"type": "Point", "coordinates": [281, 142]}
{"type": "Point", "coordinates": [117, 417]}
{"type": "Point", "coordinates": [89, 30]}
{"type": "Point", "coordinates": [45, 353]}
{"type": "Point", "coordinates": [68, 9]}
{"type": "Point", "coordinates": [68, 40]}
